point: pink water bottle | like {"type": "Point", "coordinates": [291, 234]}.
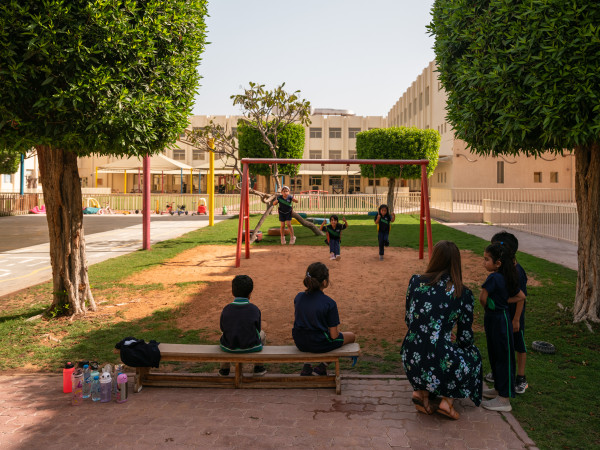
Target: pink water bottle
{"type": "Point", "coordinates": [67, 373]}
{"type": "Point", "coordinates": [122, 388]}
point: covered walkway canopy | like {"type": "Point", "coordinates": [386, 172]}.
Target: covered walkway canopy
{"type": "Point", "coordinates": [158, 164]}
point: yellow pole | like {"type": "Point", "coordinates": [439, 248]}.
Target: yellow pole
{"type": "Point", "coordinates": [96, 179]}
{"type": "Point", "coordinates": [125, 183]}
{"type": "Point", "coordinates": [211, 184]}
{"type": "Point", "coordinates": [191, 181]}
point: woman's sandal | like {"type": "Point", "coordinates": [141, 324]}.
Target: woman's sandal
{"type": "Point", "coordinates": [420, 404]}
{"type": "Point", "coordinates": [449, 412]}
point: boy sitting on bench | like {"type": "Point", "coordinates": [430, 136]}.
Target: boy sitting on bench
{"type": "Point", "coordinates": [240, 324]}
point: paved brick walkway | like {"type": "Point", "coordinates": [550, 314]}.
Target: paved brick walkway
{"type": "Point", "coordinates": [371, 413]}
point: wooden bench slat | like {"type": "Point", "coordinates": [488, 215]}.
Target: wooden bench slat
{"type": "Point", "coordinates": [281, 352]}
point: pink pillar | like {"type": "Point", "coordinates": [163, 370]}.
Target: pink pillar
{"type": "Point", "coordinates": [421, 217]}
{"type": "Point", "coordinates": [246, 200]}
{"type": "Point", "coordinates": [425, 198]}
{"type": "Point", "coordinates": [146, 204]}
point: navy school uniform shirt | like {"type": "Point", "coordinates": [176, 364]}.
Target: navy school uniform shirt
{"type": "Point", "coordinates": [498, 294]}
{"type": "Point", "coordinates": [384, 223]}
{"type": "Point", "coordinates": [522, 286]}
{"type": "Point", "coordinates": [240, 324]}
{"type": "Point", "coordinates": [285, 205]}
{"type": "Point", "coordinates": [335, 233]}
{"type": "Point", "coordinates": [315, 311]}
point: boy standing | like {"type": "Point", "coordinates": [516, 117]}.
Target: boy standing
{"type": "Point", "coordinates": [240, 324]}
{"type": "Point", "coordinates": [285, 202]}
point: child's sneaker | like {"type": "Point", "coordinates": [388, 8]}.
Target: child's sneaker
{"type": "Point", "coordinates": [259, 371]}
{"type": "Point", "coordinates": [380, 257]}
{"type": "Point", "coordinates": [521, 385]}
{"type": "Point", "coordinates": [307, 370]}
{"type": "Point", "coordinates": [320, 370]}
{"type": "Point", "coordinates": [332, 257]}
{"type": "Point", "coordinates": [386, 243]}
{"type": "Point", "coordinates": [497, 404]}
{"type": "Point", "coordinates": [489, 377]}
{"type": "Point", "coordinates": [490, 393]}
{"type": "Point", "coordinates": [338, 257]}
{"type": "Point", "coordinates": [223, 372]}
{"type": "Point", "coordinates": [293, 240]}
{"type": "Point", "coordinates": [282, 240]}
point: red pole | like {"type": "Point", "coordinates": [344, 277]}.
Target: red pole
{"type": "Point", "coordinates": [421, 227]}
{"type": "Point", "coordinates": [146, 204]}
{"type": "Point", "coordinates": [427, 216]}
{"type": "Point", "coordinates": [246, 182]}
{"type": "Point", "coordinates": [238, 249]}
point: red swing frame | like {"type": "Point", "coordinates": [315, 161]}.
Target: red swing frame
{"type": "Point", "coordinates": [244, 218]}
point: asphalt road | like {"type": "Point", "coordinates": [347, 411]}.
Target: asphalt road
{"type": "Point", "coordinates": [24, 231]}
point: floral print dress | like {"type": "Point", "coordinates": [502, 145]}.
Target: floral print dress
{"type": "Point", "coordinates": [431, 360]}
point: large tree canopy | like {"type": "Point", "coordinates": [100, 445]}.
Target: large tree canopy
{"type": "Point", "coordinates": [524, 77]}
{"type": "Point", "coordinates": [397, 143]}
{"type": "Point", "coordinates": [290, 145]}
{"type": "Point", "coordinates": [9, 162]}
{"type": "Point", "coordinates": [108, 77]}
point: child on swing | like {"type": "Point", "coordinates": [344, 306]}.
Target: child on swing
{"type": "Point", "coordinates": [285, 202]}
{"type": "Point", "coordinates": [334, 235]}
{"type": "Point", "coordinates": [383, 220]}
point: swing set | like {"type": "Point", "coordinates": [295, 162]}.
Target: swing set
{"type": "Point", "coordinates": [244, 218]}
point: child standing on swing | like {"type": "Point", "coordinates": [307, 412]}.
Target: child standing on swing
{"type": "Point", "coordinates": [383, 220]}
{"type": "Point", "coordinates": [334, 235]}
{"type": "Point", "coordinates": [285, 202]}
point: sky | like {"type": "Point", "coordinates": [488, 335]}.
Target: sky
{"type": "Point", "coordinates": [344, 54]}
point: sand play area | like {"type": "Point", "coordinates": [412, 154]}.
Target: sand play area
{"type": "Point", "coordinates": [370, 293]}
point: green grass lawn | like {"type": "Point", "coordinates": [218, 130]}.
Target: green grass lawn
{"type": "Point", "coordinates": [558, 410]}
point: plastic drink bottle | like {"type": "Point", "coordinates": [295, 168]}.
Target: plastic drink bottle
{"type": "Point", "coordinates": [67, 381]}
{"type": "Point", "coordinates": [105, 387]}
{"type": "Point", "coordinates": [96, 388]}
{"type": "Point", "coordinates": [87, 381]}
{"type": "Point", "coordinates": [122, 393]}
{"type": "Point", "coordinates": [94, 369]}
{"type": "Point", "coordinates": [118, 370]}
{"type": "Point", "coordinates": [77, 388]}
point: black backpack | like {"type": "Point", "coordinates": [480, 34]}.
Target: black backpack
{"type": "Point", "coordinates": [138, 353]}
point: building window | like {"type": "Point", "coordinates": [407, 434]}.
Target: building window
{"type": "Point", "coordinates": [335, 154]}
{"type": "Point", "coordinates": [336, 181]}
{"type": "Point", "coordinates": [352, 154]}
{"type": "Point", "coordinates": [500, 172]}
{"type": "Point", "coordinates": [179, 155]}
{"type": "Point", "coordinates": [296, 184]}
{"type": "Point", "coordinates": [234, 132]}
{"type": "Point", "coordinates": [377, 182]}
{"type": "Point", "coordinates": [409, 110]}
{"type": "Point", "coordinates": [537, 177]}
{"type": "Point", "coordinates": [353, 183]}
{"type": "Point", "coordinates": [427, 96]}
{"type": "Point", "coordinates": [314, 154]}
{"type": "Point", "coordinates": [421, 101]}
{"type": "Point", "coordinates": [198, 155]}
{"type": "Point", "coordinates": [7, 178]}
{"type": "Point", "coordinates": [352, 132]}
{"type": "Point", "coordinates": [335, 133]}
{"type": "Point", "coordinates": [553, 177]}
{"type": "Point", "coordinates": [316, 133]}
{"type": "Point", "coordinates": [415, 106]}
{"type": "Point", "coordinates": [315, 181]}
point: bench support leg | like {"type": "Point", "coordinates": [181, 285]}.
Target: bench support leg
{"type": "Point", "coordinates": [338, 381]}
{"type": "Point", "coordinates": [238, 375]}
{"type": "Point", "coordinates": [140, 375]}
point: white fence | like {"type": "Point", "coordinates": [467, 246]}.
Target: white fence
{"type": "Point", "coordinates": [558, 221]}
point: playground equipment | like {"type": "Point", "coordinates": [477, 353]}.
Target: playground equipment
{"type": "Point", "coordinates": [244, 215]}
{"type": "Point", "coordinates": [201, 208]}
{"type": "Point", "coordinates": [38, 210]}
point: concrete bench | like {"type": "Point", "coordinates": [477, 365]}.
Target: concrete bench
{"type": "Point", "coordinates": [269, 354]}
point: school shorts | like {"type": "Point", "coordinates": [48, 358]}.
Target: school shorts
{"type": "Point", "coordinates": [519, 336]}
{"type": "Point", "coordinates": [285, 217]}
{"type": "Point", "coordinates": [316, 341]}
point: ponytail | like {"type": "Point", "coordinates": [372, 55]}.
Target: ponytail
{"type": "Point", "coordinates": [316, 277]}
{"type": "Point", "coordinates": [504, 253]}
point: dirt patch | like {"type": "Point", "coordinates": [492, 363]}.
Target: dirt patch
{"type": "Point", "coordinates": [370, 293]}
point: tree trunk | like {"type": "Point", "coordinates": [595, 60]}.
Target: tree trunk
{"type": "Point", "coordinates": [260, 222]}
{"type": "Point", "coordinates": [62, 196]}
{"type": "Point", "coordinates": [587, 193]}
{"type": "Point", "coordinates": [391, 194]}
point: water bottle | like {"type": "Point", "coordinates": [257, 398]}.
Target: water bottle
{"type": "Point", "coordinates": [87, 381]}
{"type": "Point", "coordinates": [67, 374]}
{"type": "Point", "coordinates": [105, 387]}
{"type": "Point", "coordinates": [96, 389]}
{"type": "Point", "coordinates": [122, 393]}
{"type": "Point", "coordinates": [94, 370]}
{"type": "Point", "coordinates": [77, 388]}
{"type": "Point", "coordinates": [118, 370]}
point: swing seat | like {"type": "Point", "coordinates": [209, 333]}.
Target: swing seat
{"type": "Point", "coordinates": [372, 213]}
{"type": "Point", "coordinates": [303, 215]}
{"type": "Point", "coordinates": [276, 231]}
